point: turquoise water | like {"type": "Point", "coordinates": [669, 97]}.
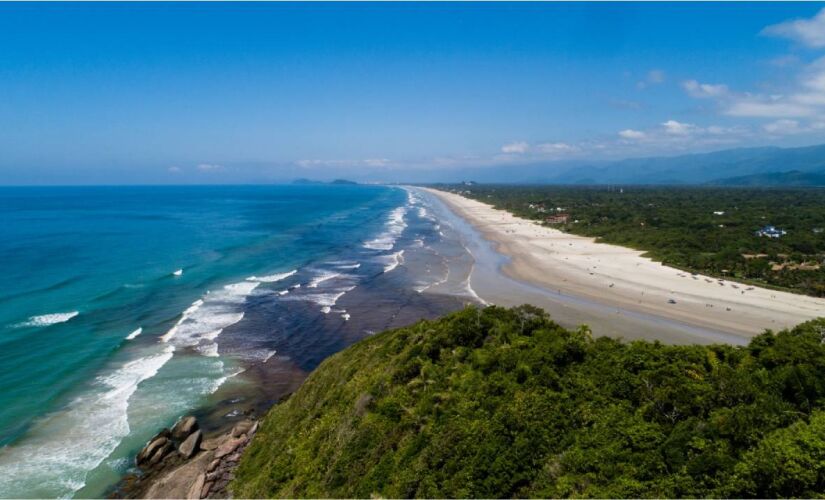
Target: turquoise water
{"type": "Point", "coordinates": [114, 303]}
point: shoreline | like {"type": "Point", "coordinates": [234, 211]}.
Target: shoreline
{"type": "Point", "coordinates": [383, 294]}
{"type": "Point", "coordinates": [611, 276]}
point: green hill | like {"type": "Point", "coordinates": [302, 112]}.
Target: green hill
{"type": "Point", "coordinates": [504, 402]}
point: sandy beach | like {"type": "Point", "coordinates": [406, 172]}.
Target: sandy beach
{"type": "Point", "coordinates": [620, 277]}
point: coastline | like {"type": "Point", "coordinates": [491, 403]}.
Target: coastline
{"type": "Point", "coordinates": [405, 272]}
{"type": "Point", "coordinates": [621, 278]}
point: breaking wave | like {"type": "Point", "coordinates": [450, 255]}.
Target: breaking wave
{"type": "Point", "coordinates": [48, 319]}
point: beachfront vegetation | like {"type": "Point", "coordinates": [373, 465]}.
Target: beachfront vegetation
{"type": "Point", "coordinates": [505, 403]}
{"type": "Point", "coordinates": [709, 230]}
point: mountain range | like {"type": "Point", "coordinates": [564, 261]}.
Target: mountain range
{"type": "Point", "coordinates": [803, 166]}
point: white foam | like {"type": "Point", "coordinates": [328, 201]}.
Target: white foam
{"type": "Point", "coordinates": [346, 316]}
{"type": "Point", "coordinates": [134, 334]}
{"type": "Point", "coordinates": [327, 299]}
{"type": "Point", "coordinates": [283, 292]}
{"type": "Point", "coordinates": [326, 309]}
{"type": "Point", "coordinates": [393, 260]}
{"type": "Point", "coordinates": [269, 355]}
{"type": "Point", "coordinates": [62, 447]}
{"type": "Point", "coordinates": [349, 266]}
{"type": "Point", "coordinates": [395, 226]}
{"type": "Point", "coordinates": [49, 319]}
{"type": "Point", "coordinates": [241, 289]}
{"type": "Point", "coordinates": [210, 350]}
{"type": "Point", "coordinates": [472, 293]}
{"type": "Point", "coordinates": [324, 276]}
{"type": "Point", "coordinates": [272, 278]}
{"type": "Point", "coordinates": [203, 321]}
{"type": "Point", "coordinates": [179, 272]}
{"type": "Point", "coordinates": [424, 214]}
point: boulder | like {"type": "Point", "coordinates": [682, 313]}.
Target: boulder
{"type": "Point", "coordinates": [154, 444]}
{"type": "Point", "coordinates": [191, 445]}
{"type": "Point", "coordinates": [242, 428]}
{"type": "Point", "coordinates": [160, 453]}
{"type": "Point", "coordinates": [184, 427]}
{"type": "Point", "coordinates": [213, 465]}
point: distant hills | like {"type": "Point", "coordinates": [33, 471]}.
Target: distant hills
{"type": "Point", "coordinates": [803, 166]}
{"type": "Point", "coordinates": [304, 181]}
{"type": "Point", "coordinates": [762, 166]}
{"type": "Point", "coordinates": [792, 178]}
{"type": "Point", "coordinates": [748, 166]}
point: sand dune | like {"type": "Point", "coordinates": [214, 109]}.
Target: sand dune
{"type": "Point", "coordinates": [621, 277]}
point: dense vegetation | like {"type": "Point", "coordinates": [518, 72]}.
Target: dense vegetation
{"type": "Point", "coordinates": [504, 402]}
{"type": "Point", "coordinates": [678, 226]}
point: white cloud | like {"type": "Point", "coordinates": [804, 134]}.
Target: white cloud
{"type": "Point", "coordinates": [783, 127]}
{"type": "Point", "coordinates": [631, 134]}
{"type": "Point", "coordinates": [766, 108]}
{"type": "Point", "coordinates": [704, 90]}
{"type": "Point", "coordinates": [376, 162]}
{"type": "Point", "coordinates": [557, 147]}
{"type": "Point", "coordinates": [809, 32]}
{"type": "Point", "coordinates": [174, 170]}
{"type": "Point", "coordinates": [369, 162]}
{"type": "Point", "coordinates": [807, 100]}
{"type": "Point", "coordinates": [672, 127]}
{"type": "Point", "coordinates": [209, 167]}
{"type": "Point", "coordinates": [520, 147]}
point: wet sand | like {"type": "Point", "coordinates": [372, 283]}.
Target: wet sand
{"type": "Point", "coordinates": [612, 289]}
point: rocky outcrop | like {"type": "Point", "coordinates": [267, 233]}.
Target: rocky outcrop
{"type": "Point", "coordinates": [184, 427]}
{"type": "Point", "coordinates": [190, 445]}
{"type": "Point", "coordinates": [220, 470]}
{"type": "Point", "coordinates": [201, 468]}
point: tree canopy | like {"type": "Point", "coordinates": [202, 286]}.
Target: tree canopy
{"type": "Point", "coordinates": [501, 402]}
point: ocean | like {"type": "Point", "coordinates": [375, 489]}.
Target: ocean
{"type": "Point", "coordinates": [124, 308]}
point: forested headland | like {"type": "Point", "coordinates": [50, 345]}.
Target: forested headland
{"type": "Point", "coordinates": [501, 402]}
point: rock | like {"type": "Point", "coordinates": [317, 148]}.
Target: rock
{"type": "Point", "coordinates": [213, 465]}
{"type": "Point", "coordinates": [228, 447]}
{"type": "Point", "coordinates": [197, 487]}
{"type": "Point", "coordinates": [154, 444]}
{"type": "Point", "coordinates": [191, 445]}
{"type": "Point", "coordinates": [205, 489]}
{"type": "Point", "coordinates": [160, 453]}
{"type": "Point", "coordinates": [176, 480]}
{"type": "Point", "coordinates": [184, 427]}
{"type": "Point", "coordinates": [242, 428]}
{"type": "Point", "coordinates": [253, 430]}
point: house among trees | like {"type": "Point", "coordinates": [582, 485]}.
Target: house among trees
{"type": "Point", "coordinates": [557, 219]}
{"type": "Point", "coordinates": [771, 232]}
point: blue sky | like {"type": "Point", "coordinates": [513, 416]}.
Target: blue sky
{"type": "Point", "coordinates": [213, 92]}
